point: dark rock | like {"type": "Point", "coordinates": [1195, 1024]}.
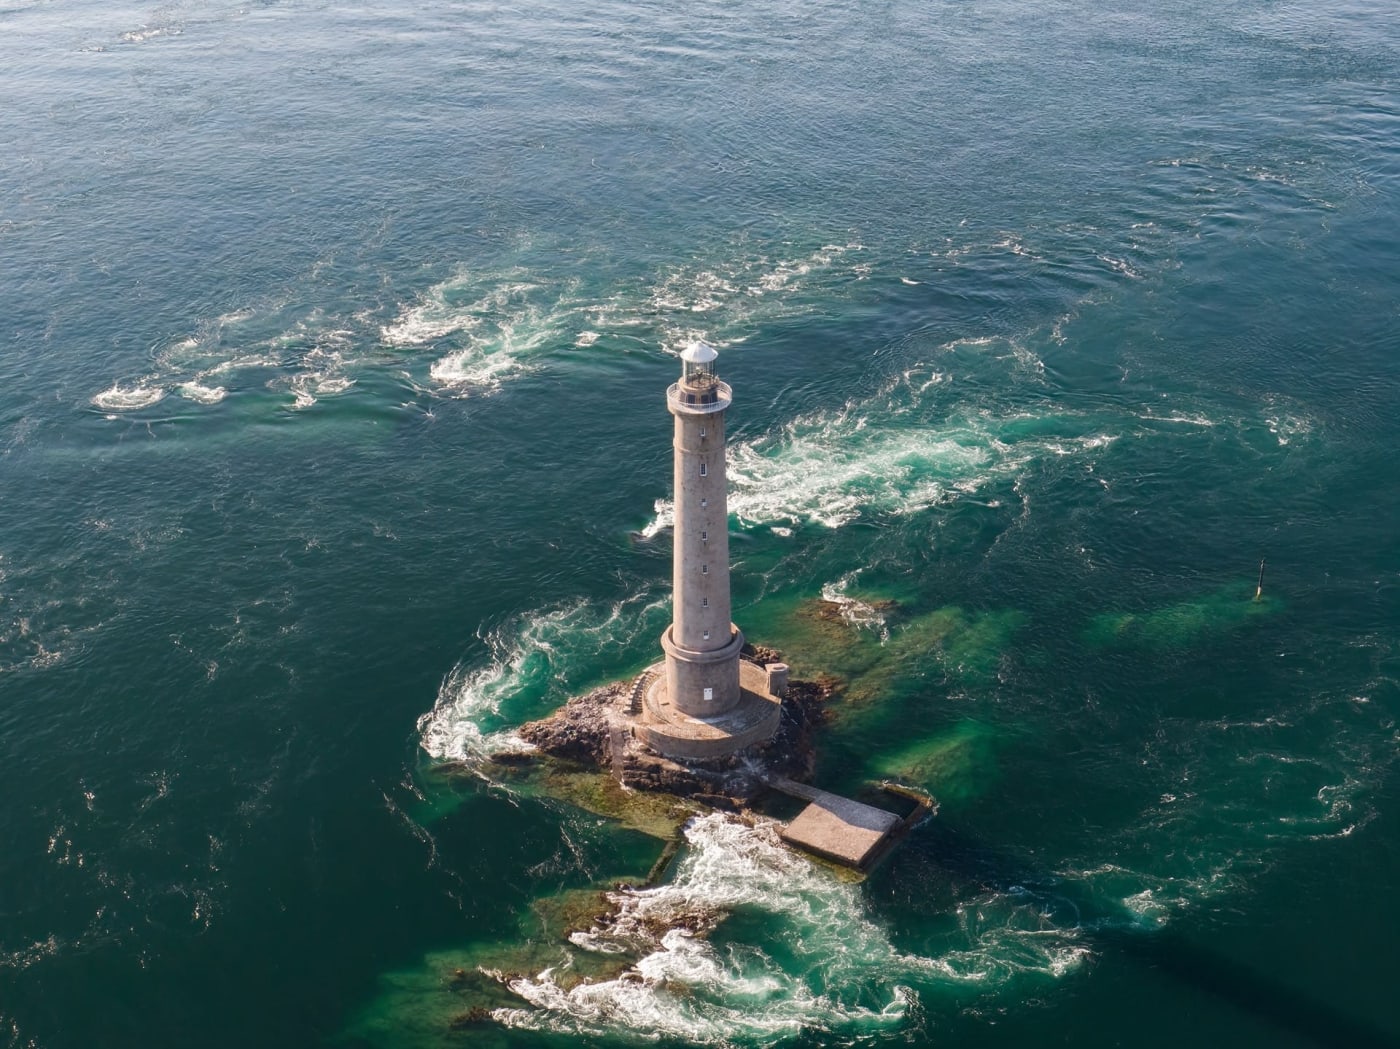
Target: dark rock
{"type": "Point", "coordinates": [761, 654]}
{"type": "Point", "coordinates": [835, 611]}
{"type": "Point", "coordinates": [511, 758]}
{"type": "Point", "coordinates": [582, 730]}
{"type": "Point", "coordinates": [476, 1015]}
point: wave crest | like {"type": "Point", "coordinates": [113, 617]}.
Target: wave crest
{"type": "Point", "coordinates": [533, 660]}
{"type": "Point", "coordinates": [827, 968]}
{"type": "Point", "coordinates": [119, 398]}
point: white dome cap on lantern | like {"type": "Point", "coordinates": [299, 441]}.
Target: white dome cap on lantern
{"type": "Point", "coordinates": [699, 391]}
{"type": "Point", "coordinates": [699, 352]}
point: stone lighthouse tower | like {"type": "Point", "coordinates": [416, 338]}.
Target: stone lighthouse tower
{"type": "Point", "coordinates": [704, 701]}
{"type": "Point", "coordinates": [701, 644]}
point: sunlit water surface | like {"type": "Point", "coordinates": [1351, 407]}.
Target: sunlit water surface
{"type": "Point", "coordinates": [333, 447]}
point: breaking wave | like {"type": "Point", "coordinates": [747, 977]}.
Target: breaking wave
{"type": "Point", "coordinates": [484, 327]}
{"type": "Point", "coordinates": [816, 962]}
{"type": "Point", "coordinates": [202, 394]}
{"type": "Point", "coordinates": [724, 300]}
{"type": "Point", "coordinates": [307, 357]}
{"type": "Point", "coordinates": [502, 320]}
{"type": "Point", "coordinates": [119, 398]}
{"type": "Point", "coordinates": [533, 663]}
{"type": "Point", "coordinates": [840, 970]}
{"type": "Point", "coordinates": [857, 613]}
{"type": "Point", "coordinates": [879, 456]}
{"type": "Point", "coordinates": [500, 323]}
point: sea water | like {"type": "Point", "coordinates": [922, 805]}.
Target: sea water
{"type": "Point", "coordinates": [333, 447]}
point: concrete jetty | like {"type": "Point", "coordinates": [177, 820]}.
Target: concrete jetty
{"type": "Point", "coordinates": [840, 829]}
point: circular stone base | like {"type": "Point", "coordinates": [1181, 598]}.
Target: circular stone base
{"type": "Point", "coordinates": [670, 732]}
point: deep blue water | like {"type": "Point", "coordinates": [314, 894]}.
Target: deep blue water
{"type": "Point", "coordinates": [334, 447]}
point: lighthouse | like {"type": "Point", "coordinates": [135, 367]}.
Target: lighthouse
{"type": "Point", "coordinates": [704, 700]}
{"type": "Point", "coordinates": [702, 646]}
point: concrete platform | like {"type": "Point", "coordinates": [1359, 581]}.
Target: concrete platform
{"type": "Point", "coordinates": [674, 734]}
{"type": "Point", "coordinates": [840, 829]}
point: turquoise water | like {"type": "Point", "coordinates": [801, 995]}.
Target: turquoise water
{"type": "Point", "coordinates": [334, 446]}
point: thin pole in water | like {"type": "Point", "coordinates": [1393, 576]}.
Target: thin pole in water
{"type": "Point", "coordinates": [1259, 590]}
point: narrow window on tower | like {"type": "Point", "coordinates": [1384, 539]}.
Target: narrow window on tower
{"type": "Point", "coordinates": [707, 635]}
{"type": "Point", "coordinates": [702, 433]}
{"type": "Point", "coordinates": [704, 602]}
{"type": "Point", "coordinates": [704, 537]}
{"type": "Point", "coordinates": [704, 569]}
{"type": "Point", "coordinates": [704, 503]}
{"type": "Point", "coordinates": [709, 695]}
{"type": "Point", "coordinates": [704, 470]}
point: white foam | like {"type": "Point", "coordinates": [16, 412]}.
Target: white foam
{"type": "Point", "coordinates": [527, 662]}
{"type": "Point", "coordinates": [476, 367]}
{"type": "Point", "coordinates": [139, 36]}
{"type": "Point", "coordinates": [499, 321]}
{"type": "Point", "coordinates": [857, 613]}
{"type": "Point", "coordinates": [1014, 244]}
{"type": "Point", "coordinates": [452, 730]}
{"type": "Point", "coordinates": [876, 456]}
{"type": "Point", "coordinates": [24, 957]}
{"type": "Point", "coordinates": [118, 398]}
{"type": "Point", "coordinates": [1287, 426]}
{"type": "Point", "coordinates": [1147, 908]}
{"type": "Point", "coordinates": [308, 387]}
{"type": "Point", "coordinates": [201, 394]}
{"type": "Point", "coordinates": [233, 317]}
{"type": "Point", "coordinates": [463, 302]}
{"type": "Point", "coordinates": [697, 292]}
{"type": "Point", "coordinates": [1120, 266]}
{"type": "Point", "coordinates": [426, 322]}
{"type": "Point", "coordinates": [683, 985]}
{"type": "Point", "coordinates": [1179, 417]}
{"type": "Point", "coordinates": [830, 468]}
{"type": "Point", "coordinates": [663, 517]}
{"type": "Point", "coordinates": [247, 360]}
{"type": "Point", "coordinates": [191, 366]}
{"type": "Point", "coordinates": [722, 299]}
{"type": "Point", "coordinates": [821, 964]}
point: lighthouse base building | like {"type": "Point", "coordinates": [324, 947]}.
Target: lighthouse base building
{"type": "Point", "coordinates": [703, 701]}
{"type": "Point", "coordinates": [666, 729]}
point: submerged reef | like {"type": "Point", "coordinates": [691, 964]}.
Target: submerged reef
{"type": "Point", "coordinates": [1183, 624]}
